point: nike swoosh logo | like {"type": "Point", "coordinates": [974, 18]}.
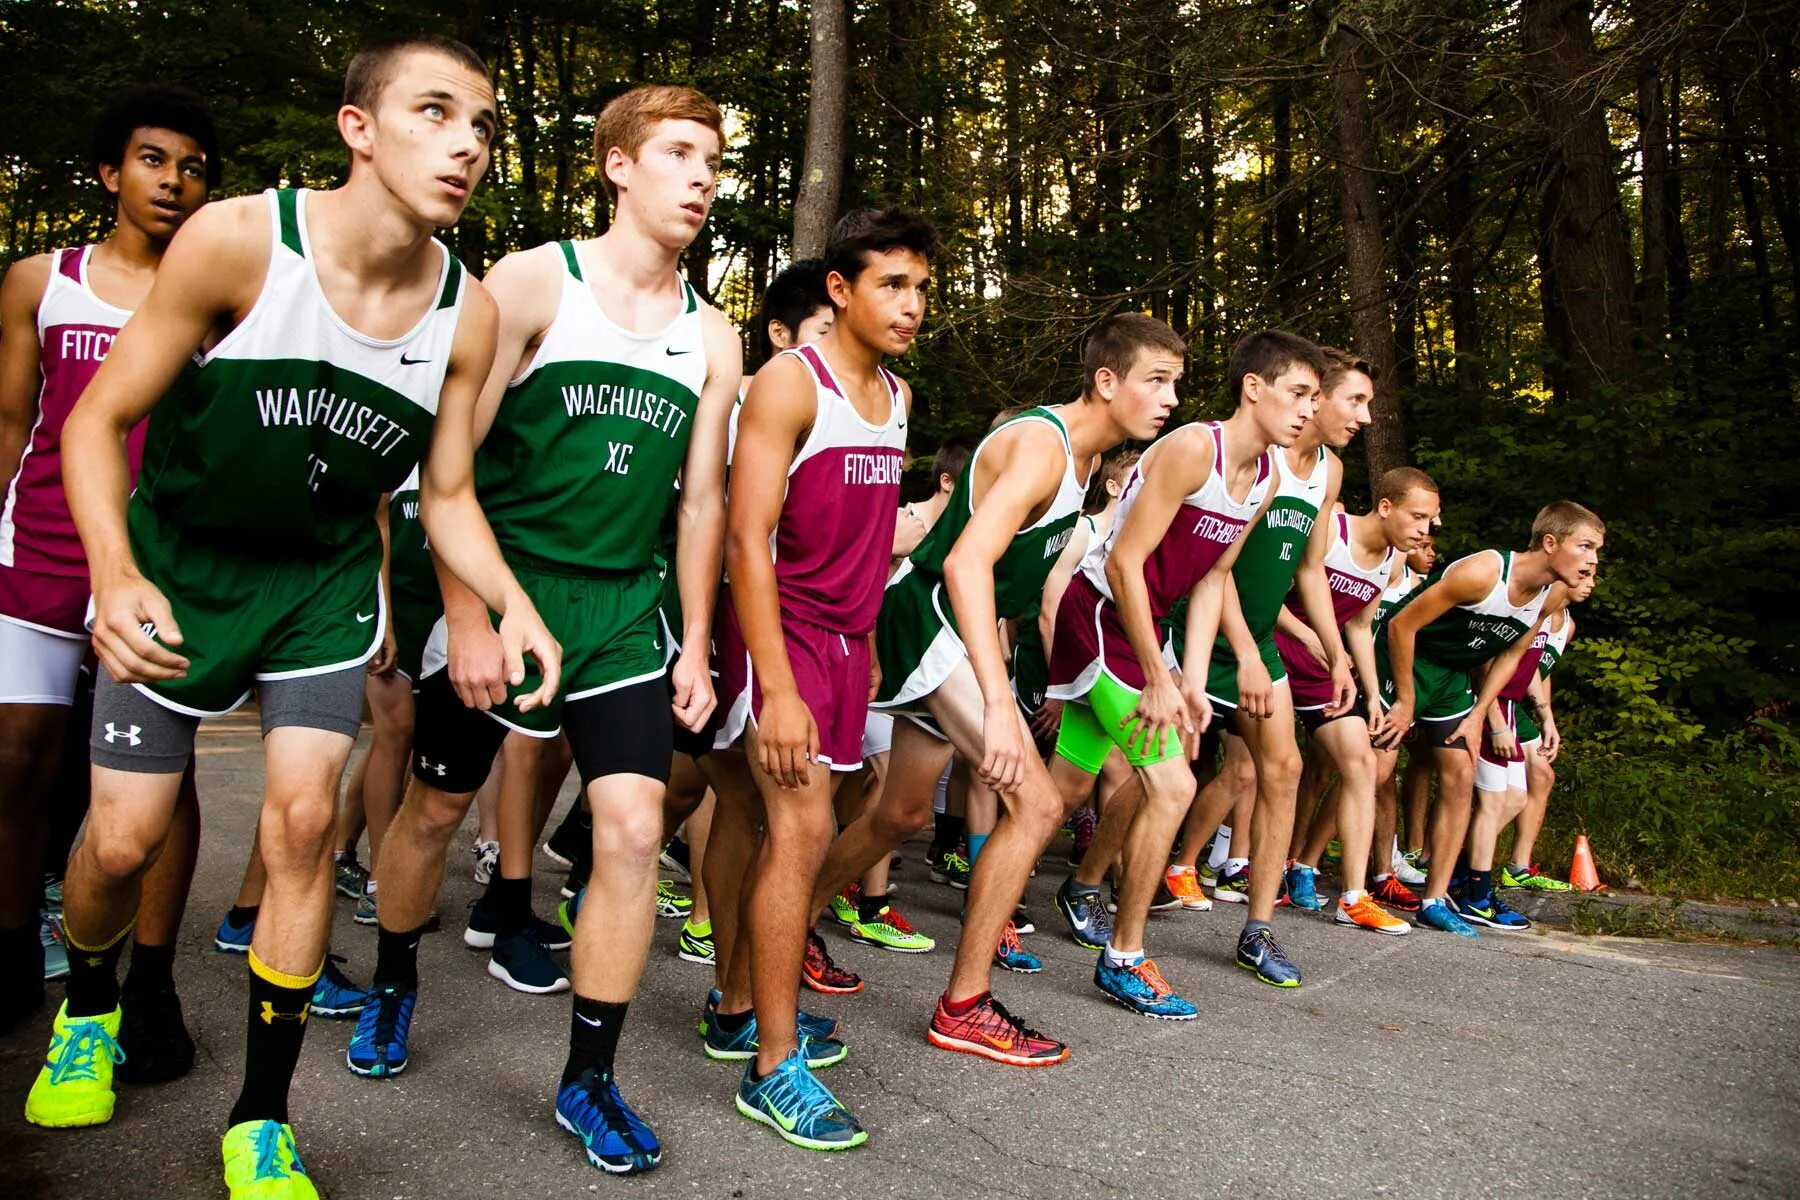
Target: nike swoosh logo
{"type": "Point", "coordinates": [597, 1024]}
{"type": "Point", "coordinates": [786, 1121]}
{"type": "Point", "coordinates": [365, 620]}
{"type": "Point", "coordinates": [411, 362]}
{"type": "Point", "coordinates": [998, 1043]}
{"type": "Point", "coordinates": [670, 350]}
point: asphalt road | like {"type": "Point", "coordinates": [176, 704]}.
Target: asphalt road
{"type": "Point", "coordinates": [1542, 1064]}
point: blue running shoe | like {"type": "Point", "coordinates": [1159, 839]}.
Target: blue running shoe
{"type": "Point", "coordinates": [334, 995]}
{"type": "Point", "coordinates": [806, 1025]}
{"type": "Point", "coordinates": [616, 1139]}
{"type": "Point", "coordinates": [1439, 915]}
{"type": "Point", "coordinates": [1258, 951]}
{"type": "Point", "coordinates": [1013, 956]}
{"type": "Point", "coordinates": [1086, 914]}
{"type": "Point", "coordinates": [1141, 988]}
{"type": "Point", "coordinates": [234, 939]}
{"type": "Point", "coordinates": [1298, 882]}
{"type": "Point", "coordinates": [798, 1107]}
{"type": "Point", "coordinates": [568, 911]}
{"type": "Point", "coordinates": [1495, 914]}
{"type": "Point", "coordinates": [378, 1047]}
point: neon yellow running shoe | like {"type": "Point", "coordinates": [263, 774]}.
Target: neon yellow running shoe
{"type": "Point", "coordinates": [671, 903]}
{"type": "Point", "coordinates": [75, 1085]}
{"type": "Point", "coordinates": [891, 931]}
{"type": "Point", "coordinates": [843, 906]}
{"type": "Point", "coordinates": [262, 1164]}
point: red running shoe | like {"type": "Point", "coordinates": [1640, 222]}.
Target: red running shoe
{"type": "Point", "coordinates": [992, 1032]}
{"type": "Point", "coordinates": [820, 974]}
{"type": "Point", "coordinates": [1395, 895]}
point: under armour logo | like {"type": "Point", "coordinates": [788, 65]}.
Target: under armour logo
{"type": "Point", "coordinates": [129, 733]}
{"type": "Point", "coordinates": [425, 764]}
{"type": "Point", "coordinates": [270, 1016]}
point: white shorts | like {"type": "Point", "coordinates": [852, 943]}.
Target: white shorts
{"type": "Point", "coordinates": [878, 733]}
{"type": "Point", "coordinates": [38, 667]}
{"type": "Point", "coordinates": [1491, 776]}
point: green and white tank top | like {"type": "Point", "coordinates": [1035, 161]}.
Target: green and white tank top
{"type": "Point", "coordinates": [409, 551]}
{"type": "Point", "coordinates": [578, 472]}
{"type": "Point", "coordinates": [1471, 634]}
{"type": "Point", "coordinates": [282, 438]}
{"type": "Point", "coordinates": [1272, 550]}
{"type": "Point", "coordinates": [1025, 566]}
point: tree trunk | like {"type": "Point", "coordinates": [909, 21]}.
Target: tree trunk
{"type": "Point", "coordinates": [1385, 440]}
{"type": "Point", "coordinates": [1653, 151]}
{"type": "Point", "coordinates": [1585, 222]}
{"type": "Point", "coordinates": [1465, 309]}
{"type": "Point", "coordinates": [822, 173]}
{"type": "Point", "coordinates": [1680, 276]}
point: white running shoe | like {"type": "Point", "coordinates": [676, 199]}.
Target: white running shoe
{"type": "Point", "coordinates": [487, 861]}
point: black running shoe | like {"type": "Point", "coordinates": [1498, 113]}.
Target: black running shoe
{"type": "Point", "coordinates": [573, 840]}
{"type": "Point", "coordinates": [154, 1037]}
{"type": "Point", "coordinates": [578, 877]}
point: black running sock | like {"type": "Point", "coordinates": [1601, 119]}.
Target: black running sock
{"type": "Point", "coordinates": [277, 1025]}
{"type": "Point", "coordinates": [152, 969]}
{"type": "Point", "coordinates": [1478, 887]}
{"type": "Point", "coordinates": [94, 975]}
{"type": "Point", "coordinates": [508, 901]}
{"type": "Point", "coordinates": [397, 959]}
{"type": "Point", "coordinates": [593, 1037]}
{"type": "Point", "coordinates": [242, 914]}
{"type": "Point", "coordinates": [869, 907]}
{"type": "Point", "coordinates": [946, 834]}
{"type": "Point", "coordinates": [732, 1022]}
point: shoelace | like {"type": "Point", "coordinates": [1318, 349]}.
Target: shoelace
{"type": "Point", "coordinates": [602, 1095]}
{"type": "Point", "coordinates": [1009, 941]}
{"type": "Point", "coordinates": [1152, 978]}
{"type": "Point", "coordinates": [268, 1152]}
{"type": "Point", "coordinates": [955, 864]}
{"type": "Point", "coordinates": [810, 1099]}
{"type": "Point", "coordinates": [893, 920]}
{"type": "Point", "coordinates": [390, 1018]}
{"type": "Point", "coordinates": [72, 1054]}
{"type": "Point", "coordinates": [335, 978]}
{"type": "Point", "coordinates": [1270, 948]}
{"type": "Point", "coordinates": [1019, 1028]}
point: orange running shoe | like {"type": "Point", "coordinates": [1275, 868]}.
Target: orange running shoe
{"type": "Point", "coordinates": [992, 1032]}
{"type": "Point", "coordinates": [1185, 884]}
{"type": "Point", "coordinates": [1367, 914]}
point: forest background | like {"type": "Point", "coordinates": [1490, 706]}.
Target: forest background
{"type": "Point", "coordinates": [1567, 232]}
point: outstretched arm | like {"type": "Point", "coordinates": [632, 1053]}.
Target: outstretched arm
{"type": "Point", "coordinates": [1465, 583]}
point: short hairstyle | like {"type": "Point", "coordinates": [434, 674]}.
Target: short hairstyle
{"type": "Point", "coordinates": [795, 294]}
{"type": "Point", "coordinates": [628, 118]}
{"type": "Point", "coordinates": [1267, 354]}
{"type": "Point", "coordinates": [156, 106]}
{"type": "Point", "coordinates": [1561, 518]}
{"type": "Point", "coordinates": [1114, 468]}
{"type": "Point", "coordinates": [865, 231]}
{"type": "Point", "coordinates": [1397, 483]}
{"type": "Point", "coordinates": [375, 65]}
{"type": "Point", "coordinates": [1115, 344]}
{"type": "Point", "coordinates": [952, 459]}
{"type": "Point", "coordinates": [1339, 363]}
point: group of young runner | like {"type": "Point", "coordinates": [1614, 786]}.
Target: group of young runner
{"type": "Point", "coordinates": [316, 459]}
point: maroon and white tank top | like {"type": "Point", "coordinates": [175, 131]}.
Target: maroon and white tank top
{"type": "Point", "coordinates": [836, 531]}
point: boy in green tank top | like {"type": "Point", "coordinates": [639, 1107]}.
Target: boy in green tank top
{"type": "Point", "coordinates": [250, 554]}
{"type": "Point", "coordinates": [1482, 611]}
{"type": "Point", "coordinates": [986, 559]}
{"type": "Point", "coordinates": [610, 378]}
{"type": "Point", "coordinates": [1536, 723]}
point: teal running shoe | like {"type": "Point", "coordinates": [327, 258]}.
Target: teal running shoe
{"type": "Point", "coordinates": [1299, 885]}
{"type": "Point", "coordinates": [1258, 951]}
{"type": "Point", "coordinates": [1141, 988]}
{"type": "Point", "coordinates": [806, 1024]}
{"type": "Point", "coordinates": [615, 1138]}
{"type": "Point", "coordinates": [1013, 956]}
{"type": "Point", "coordinates": [798, 1107]}
{"type": "Point", "coordinates": [378, 1047]}
{"type": "Point", "coordinates": [334, 995]}
{"type": "Point", "coordinates": [1439, 915]}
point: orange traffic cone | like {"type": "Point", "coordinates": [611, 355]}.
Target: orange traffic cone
{"type": "Point", "coordinates": [1581, 872]}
